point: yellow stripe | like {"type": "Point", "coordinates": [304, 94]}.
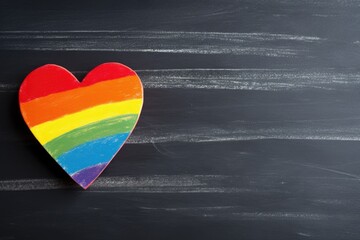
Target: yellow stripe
{"type": "Point", "coordinates": [47, 131]}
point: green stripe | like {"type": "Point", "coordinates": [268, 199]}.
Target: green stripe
{"type": "Point", "coordinates": [104, 128]}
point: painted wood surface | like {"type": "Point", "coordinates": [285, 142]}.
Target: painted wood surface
{"type": "Point", "coordinates": [250, 128]}
{"type": "Point", "coordinates": [82, 125]}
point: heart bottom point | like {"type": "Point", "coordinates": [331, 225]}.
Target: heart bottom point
{"type": "Point", "coordinates": [88, 175]}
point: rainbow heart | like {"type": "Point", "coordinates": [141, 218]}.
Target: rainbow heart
{"type": "Point", "coordinates": [82, 125]}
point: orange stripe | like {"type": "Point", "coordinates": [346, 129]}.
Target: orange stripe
{"type": "Point", "coordinates": [56, 105]}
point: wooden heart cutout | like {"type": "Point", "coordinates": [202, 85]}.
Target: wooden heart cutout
{"type": "Point", "coordinates": [82, 125]}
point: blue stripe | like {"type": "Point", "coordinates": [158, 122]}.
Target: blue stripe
{"type": "Point", "coordinates": [91, 153]}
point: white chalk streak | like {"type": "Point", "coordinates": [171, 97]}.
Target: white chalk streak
{"type": "Point", "coordinates": [164, 184]}
{"type": "Point", "coordinates": [8, 87]}
{"type": "Point", "coordinates": [307, 130]}
{"type": "Point", "coordinates": [154, 183]}
{"type": "Point", "coordinates": [241, 79]}
{"type": "Point", "coordinates": [249, 79]}
{"type": "Point", "coordinates": [272, 44]}
{"type": "Point", "coordinates": [237, 211]}
{"type": "Point", "coordinates": [143, 184]}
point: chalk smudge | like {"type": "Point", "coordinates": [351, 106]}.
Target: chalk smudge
{"type": "Point", "coordinates": [240, 79]}
{"type": "Point", "coordinates": [258, 43]}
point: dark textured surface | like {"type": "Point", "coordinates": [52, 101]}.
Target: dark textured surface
{"type": "Point", "coordinates": [250, 128]}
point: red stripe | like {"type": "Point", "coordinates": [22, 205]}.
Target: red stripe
{"type": "Point", "coordinates": [52, 78]}
{"type": "Point", "coordinates": [45, 80]}
{"type": "Point", "coordinates": [107, 71]}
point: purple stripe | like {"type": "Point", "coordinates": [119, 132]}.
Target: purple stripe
{"type": "Point", "coordinates": [86, 176]}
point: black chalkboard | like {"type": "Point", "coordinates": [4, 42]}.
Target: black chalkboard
{"type": "Point", "coordinates": [250, 127]}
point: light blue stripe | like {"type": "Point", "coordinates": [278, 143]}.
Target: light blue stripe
{"type": "Point", "coordinates": [91, 153]}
